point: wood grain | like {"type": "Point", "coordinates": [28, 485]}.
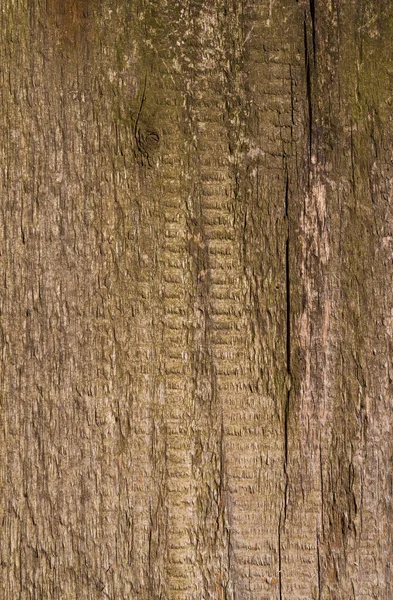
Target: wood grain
{"type": "Point", "coordinates": [196, 312]}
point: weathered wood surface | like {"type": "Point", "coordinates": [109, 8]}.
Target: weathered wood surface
{"type": "Point", "coordinates": [196, 302]}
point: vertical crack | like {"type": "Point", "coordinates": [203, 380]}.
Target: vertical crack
{"type": "Point", "coordinates": [287, 280]}
{"type": "Point", "coordinates": [288, 343]}
{"type": "Point", "coordinates": [292, 102]}
{"type": "Point", "coordinates": [279, 558]}
{"type": "Point", "coordinates": [319, 569]}
{"type": "Point", "coordinates": [308, 86]}
{"type": "Point", "coordinates": [288, 385]}
{"type": "Point", "coordinates": [322, 486]}
{"type": "Point", "coordinates": [312, 13]}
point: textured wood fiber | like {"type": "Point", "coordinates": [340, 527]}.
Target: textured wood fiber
{"type": "Point", "coordinates": [196, 307]}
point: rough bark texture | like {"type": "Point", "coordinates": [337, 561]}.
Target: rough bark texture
{"type": "Point", "coordinates": [196, 302]}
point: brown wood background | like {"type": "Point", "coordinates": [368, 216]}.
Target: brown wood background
{"type": "Point", "coordinates": [196, 243]}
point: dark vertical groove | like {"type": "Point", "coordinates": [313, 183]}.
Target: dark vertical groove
{"type": "Point", "coordinates": [353, 164]}
{"type": "Point", "coordinates": [220, 491]}
{"type": "Point", "coordinates": [308, 84]}
{"type": "Point", "coordinates": [322, 486]}
{"type": "Point", "coordinates": [288, 343]}
{"type": "Point", "coordinates": [287, 283]}
{"type": "Point", "coordinates": [319, 570]}
{"type": "Point", "coordinates": [292, 97]}
{"type": "Point", "coordinates": [279, 558]}
{"type": "Point", "coordinates": [312, 13]}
